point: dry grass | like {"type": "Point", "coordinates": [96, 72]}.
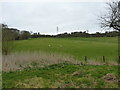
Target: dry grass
{"type": "Point", "coordinates": [19, 61]}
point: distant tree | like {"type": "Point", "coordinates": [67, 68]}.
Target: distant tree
{"type": "Point", "coordinates": [34, 35]}
{"type": "Point", "coordinates": [38, 35]}
{"type": "Point", "coordinates": [15, 32]}
{"type": "Point", "coordinates": [4, 26]}
{"type": "Point", "coordinates": [112, 18]}
{"type": "Point", "coordinates": [25, 35]}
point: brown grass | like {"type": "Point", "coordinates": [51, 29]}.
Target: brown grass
{"type": "Point", "coordinates": [19, 61]}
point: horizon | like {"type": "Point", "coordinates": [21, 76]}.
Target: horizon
{"type": "Point", "coordinates": [87, 31]}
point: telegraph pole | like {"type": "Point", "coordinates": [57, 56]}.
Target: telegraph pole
{"type": "Point", "coordinates": [57, 29]}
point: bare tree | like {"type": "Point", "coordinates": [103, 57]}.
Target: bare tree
{"type": "Point", "coordinates": [112, 18]}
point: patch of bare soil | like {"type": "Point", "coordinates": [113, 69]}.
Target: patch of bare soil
{"type": "Point", "coordinates": [110, 78]}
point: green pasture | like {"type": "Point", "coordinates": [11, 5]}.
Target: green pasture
{"type": "Point", "coordinates": [63, 76]}
{"type": "Point", "coordinates": [93, 48]}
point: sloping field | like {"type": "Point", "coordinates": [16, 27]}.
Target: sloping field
{"type": "Point", "coordinates": [93, 48]}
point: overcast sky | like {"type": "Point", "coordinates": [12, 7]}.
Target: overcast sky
{"type": "Point", "coordinates": [44, 17]}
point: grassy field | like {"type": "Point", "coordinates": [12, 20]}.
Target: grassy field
{"type": "Point", "coordinates": [93, 48]}
{"type": "Point", "coordinates": [63, 76]}
{"type": "Point", "coordinates": [60, 63]}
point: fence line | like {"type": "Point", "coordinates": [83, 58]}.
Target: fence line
{"type": "Point", "coordinates": [103, 59]}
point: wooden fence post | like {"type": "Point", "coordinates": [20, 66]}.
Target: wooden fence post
{"type": "Point", "coordinates": [118, 59]}
{"type": "Point", "coordinates": [103, 58]}
{"type": "Point", "coordinates": [85, 58]}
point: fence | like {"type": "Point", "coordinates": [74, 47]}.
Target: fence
{"type": "Point", "coordinates": [103, 59]}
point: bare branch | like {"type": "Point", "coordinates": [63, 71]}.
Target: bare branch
{"type": "Point", "coordinates": [112, 18]}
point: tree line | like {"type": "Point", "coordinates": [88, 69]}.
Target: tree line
{"type": "Point", "coordinates": [15, 34]}
{"type": "Point", "coordinates": [85, 34]}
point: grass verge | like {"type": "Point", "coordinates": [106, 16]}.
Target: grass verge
{"type": "Point", "coordinates": [63, 76]}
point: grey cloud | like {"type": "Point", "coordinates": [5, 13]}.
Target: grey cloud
{"type": "Point", "coordinates": [45, 17]}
